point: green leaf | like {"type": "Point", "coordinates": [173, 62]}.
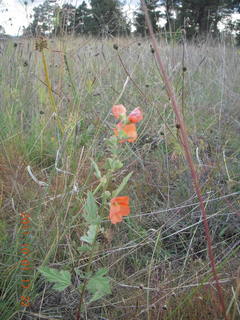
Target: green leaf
{"type": "Point", "coordinates": [113, 145]}
{"type": "Point", "coordinates": [98, 285]}
{"type": "Point", "coordinates": [62, 279]}
{"type": "Point", "coordinates": [91, 234]}
{"type": "Point", "coordinates": [84, 248]}
{"type": "Point", "coordinates": [97, 171]}
{"type": "Point", "coordinates": [117, 164]}
{"type": "Point", "coordinates": [113, 164]}
{"type": "Point", "coordinates": [122, 185]}
{"type": "Point", "coordinates": [101, 272]}
{"type": "Point", "coordinates": [91, 210]}
{"type": "Point", "coordinates": [109, 163]}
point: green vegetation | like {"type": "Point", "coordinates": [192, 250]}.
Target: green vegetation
{"type": "Point", "coordinates": [56, 151]}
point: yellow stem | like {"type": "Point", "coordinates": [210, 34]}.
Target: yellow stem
{"type": "Point", "coordinates": [51, 97]}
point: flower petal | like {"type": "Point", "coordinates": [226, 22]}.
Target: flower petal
{"type": "Point", "coordinates": [115, 218]}
{"type": "Point", "coordinates": [119, 207]}
{"type": "Point", "coordinates": [123, 200]}
{"type": "Point", "coordinates": [136, 115]}
{"type": "Point", "coordinates": [118, 110]}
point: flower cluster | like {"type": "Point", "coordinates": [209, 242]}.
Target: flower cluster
{"type": "Point", "coordinates": [126, 131]}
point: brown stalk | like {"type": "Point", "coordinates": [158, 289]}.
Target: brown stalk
{"type": "Point", "coordinates": [184, 141]}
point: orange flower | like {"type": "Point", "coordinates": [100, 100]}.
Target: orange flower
{"type": "Point", "coordinates": [129, 130]}
{"type": "Point", "coordinates": [118, 110]}
{"type": "Point", "coordinates": [119, 207]}
{"type": "Point", "coordinates": [136, 115]}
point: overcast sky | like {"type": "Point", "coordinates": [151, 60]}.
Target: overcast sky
{"type": "Point", "coordinates": [18, 15]}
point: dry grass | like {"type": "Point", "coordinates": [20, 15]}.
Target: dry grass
{"type": "Point", "coordinates": [157, 258]}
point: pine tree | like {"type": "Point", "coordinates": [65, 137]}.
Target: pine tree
{"type": "Point", "coordinates": [201, 17]}
{"type": "Point", "coordinates": [171, 9]}
{"type": "Point", "coordinates": [237, 29]}
{"type": "Point", "coordinates": [232, 29]}
{"type": "Point", "coordinates": [83, 20]}
{"type": "Point", "coordinates": [108, 18]}
{"type": "Point", "coordinates": [43, 20]}
{"type": "Point", "coordinates": [154, 14]}
{"type": "Point", "coordinates": [64, 19]}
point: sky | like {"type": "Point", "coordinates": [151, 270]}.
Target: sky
{"type": "Point", "coordinates": [14, 14]}
{"type": "Point", "coordinates": [18, 14]}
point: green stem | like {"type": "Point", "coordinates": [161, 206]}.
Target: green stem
{"type": "Point", "coordinates": [86, 279]}
{"type": "Point", "coordinates": [90, 261]}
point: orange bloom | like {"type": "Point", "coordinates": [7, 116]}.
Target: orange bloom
{"type": "Point", "coordinates": [136, 115]}
{"type": "Point", "coordinates": [129, 130]}
{"type": "Point", "coordinates": [119, 207]}
{"type": "Point", "coordinates": [118, 110]}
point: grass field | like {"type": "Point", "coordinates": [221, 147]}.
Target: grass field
{"type": "Point", "coordinates": [56, 122]}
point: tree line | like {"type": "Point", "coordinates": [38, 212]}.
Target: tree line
{"type": "Point", "coordinates": [107, 18]}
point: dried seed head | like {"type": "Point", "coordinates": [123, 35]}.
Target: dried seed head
{"type": "Point", "coordinates": [41, 44]}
